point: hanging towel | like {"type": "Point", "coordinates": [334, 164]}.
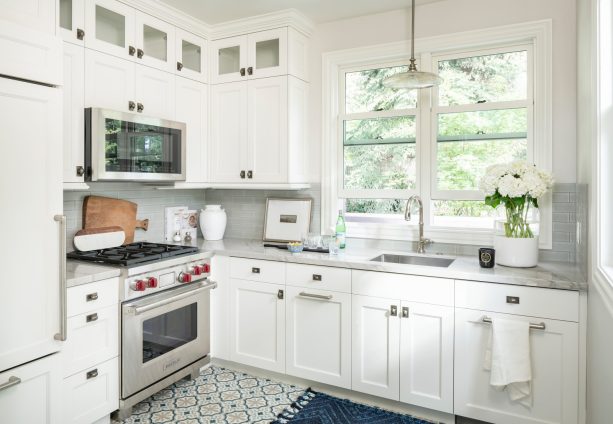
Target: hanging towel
{"type": "Point", "coordinates": [507, 357]}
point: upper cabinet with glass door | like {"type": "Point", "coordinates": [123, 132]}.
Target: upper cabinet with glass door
{"type": "Point", "coordinates": [259, 55]}
{"type": "Point", "coordinates": [155, 42]}
{"type": "Point", "coordinates": [71, 20]}
{"type": "Point", "coordinates": [190, 51]}
{"type": "Point", "coordinates": [110, 27]}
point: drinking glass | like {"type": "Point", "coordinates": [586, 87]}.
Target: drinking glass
{"type": "Point", "coordinates": [334, 245]}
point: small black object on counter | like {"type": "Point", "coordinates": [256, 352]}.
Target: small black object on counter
{"type": "Point", "coordinates": [487, 257]}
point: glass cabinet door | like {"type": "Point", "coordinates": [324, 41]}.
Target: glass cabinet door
{"type": "Point", "coordinates": [190, 51]}
{"type": "Point", "coordinates": [230, 59]}
{"type": "Point", "coordinates": [112, 27]}
{"type": "Point", "coordinates": [71, 17]}
{"type": "Point", "coordinates": [154, 42]}
{"type": "Point", "coordinates": [267, 53]}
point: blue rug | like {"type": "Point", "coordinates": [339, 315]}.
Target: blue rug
{"type": "Point", "coordinates": [320, 408]}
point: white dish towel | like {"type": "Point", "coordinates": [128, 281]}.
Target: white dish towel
{"type": "Point", "coordinates": [507, 357]}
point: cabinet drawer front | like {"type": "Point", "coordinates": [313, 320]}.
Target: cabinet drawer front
{"type": "Point", "coordinates": [92, 393]}
{"type": "Point", "coordinates": [257, 270]}
{"type": "Point", "coordinates": [319, 277]}
{"type": "Point", "coordinates": [414, 288]}
{"type": "Point", "coordinates": [518, 300]}
{"type": "Point", "coordinates": [92, 338]}
{"type": "Point", "coordinates": [90, 297]}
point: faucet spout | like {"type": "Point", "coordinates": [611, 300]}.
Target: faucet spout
{"type": "Point", "coordinates": [421, 244]}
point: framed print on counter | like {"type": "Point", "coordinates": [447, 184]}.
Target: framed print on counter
{"type": "Point", "coordinates": [287, 219]}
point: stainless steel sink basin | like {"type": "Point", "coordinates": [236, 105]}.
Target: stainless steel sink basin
{"type": "Point", "coordinates": [414, 260]}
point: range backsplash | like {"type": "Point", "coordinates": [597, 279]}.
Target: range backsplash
{"type": "Point", "coordinates": [246, 208]}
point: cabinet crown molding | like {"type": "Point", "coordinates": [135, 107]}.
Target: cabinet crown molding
{"type": "Point", "coordinates": [288, 17]}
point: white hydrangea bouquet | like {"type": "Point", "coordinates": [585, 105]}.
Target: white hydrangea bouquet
{"type": "Point", "coordinates": [516, 185]}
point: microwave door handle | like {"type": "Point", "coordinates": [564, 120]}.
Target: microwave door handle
{"type": "Point", "coordinates": [134, 309]}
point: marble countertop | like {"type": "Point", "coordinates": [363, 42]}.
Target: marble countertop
{"type": "Point", "coordinates": [553, 275]}
{"type": "Point", "coordinates": [78, 272]}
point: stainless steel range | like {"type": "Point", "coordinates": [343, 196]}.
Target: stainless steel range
{"type": "Point", "coordinates": [165, 315]}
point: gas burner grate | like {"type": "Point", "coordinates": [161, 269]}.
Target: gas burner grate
{"type": "Point", "coordinates": [133, 253]}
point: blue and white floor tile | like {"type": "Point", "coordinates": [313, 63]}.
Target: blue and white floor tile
{"type": "Point", "coordinates": [217, 396]}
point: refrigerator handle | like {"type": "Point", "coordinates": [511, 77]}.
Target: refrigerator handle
{"type": "Point", "coordinates": [63, 307]}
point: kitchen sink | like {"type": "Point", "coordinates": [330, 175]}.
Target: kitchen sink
{"type": "Point", "coordinates": [414, 260]}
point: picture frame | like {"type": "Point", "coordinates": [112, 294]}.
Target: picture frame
{"type": "Point", "coordinates": [287, 220]}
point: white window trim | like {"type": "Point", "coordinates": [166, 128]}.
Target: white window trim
{"type": "Point", "coordinates": [537, 33]}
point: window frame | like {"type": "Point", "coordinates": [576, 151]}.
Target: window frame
{"type": "Point", "coordinates": [538, 34]}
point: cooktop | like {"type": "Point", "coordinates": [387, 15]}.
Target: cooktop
{"type": "Point", "coordinates": [134, 253]}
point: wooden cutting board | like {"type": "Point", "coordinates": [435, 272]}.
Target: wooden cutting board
{"type": "Point", "coordinates": [99, 212]}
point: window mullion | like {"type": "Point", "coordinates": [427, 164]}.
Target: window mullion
{"type": "Point", "coordinates": [424, 152]}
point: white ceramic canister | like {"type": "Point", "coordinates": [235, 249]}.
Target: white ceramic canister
{"type": "Point", "coordinates": [516, 252]}
{"type": "Point", "coordinates": [213, 221]}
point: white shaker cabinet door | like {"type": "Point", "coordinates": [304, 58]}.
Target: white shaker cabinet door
{"type": "Point", "coordinates": [35, 393]}
{"type": "Point", "coordinates": [31, 183]}
{"type": "Point", "coordinates": [191, 56]}
{"type": "Point", "coordinates": [268, 136]}
{"type": "Point", "coordinates": [109, 82]}
{"type": "Point", "coordinates": [257, 320]}
{"type": "Point", "coordinates": [319, 335]}
{"type": "Point", "coordinates": [155, 42]}
{"type": "Point", "coordinates": [267, 53]}
{"type": "Point", "coordinates": [71, 21]}
{"type": "Point", "coordinates": [110, 28]}
{"type": "Point", "coordinates": [73, 115]}
{"type": "Point", "coordinates": [554, 357]}
{"type": "Point", "coordinates": [426, 356]}
{"type": "Point", "coordinates": [154, 92]}
{"type": "Point", "coordinates": [191, 108]}
{"type": "Point", "coordinates": [376, 348]}
{"type": "Point", "coordinates": [35, 14]}
{"type": "Point", "coordinates": [229, 60]}
{"type": "Point", "coordinates": [228, 158]}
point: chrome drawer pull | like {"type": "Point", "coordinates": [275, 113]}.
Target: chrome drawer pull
{"type": "Point", "coordinates": [90, 297]}
{"type": "Point", "coordinates": [255, 270]}
{"type": "Point", "coordinates": [13, 381]}
{"type": "Point", "coordinates": [92, 374]}
{"type": "Point", "coordinates": [537, 326]}
{"type": "Point", "coordinates": [316, 277]}
{"type": "Point", "coordinates": [91, 318]}
{"type": "Point", "coordinates": [316, 296]}
{"type": "Point", "coordinates": [513, 299]}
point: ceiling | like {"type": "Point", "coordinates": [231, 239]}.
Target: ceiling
{"type": "Point", "coordinates": [216, 11]}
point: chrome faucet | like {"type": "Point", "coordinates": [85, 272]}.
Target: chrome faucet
{"type": "Point", "coordinates": [423, 242]}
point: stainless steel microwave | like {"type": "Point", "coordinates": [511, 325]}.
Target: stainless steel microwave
{"type": "Point", "coordinates": [121, 146]}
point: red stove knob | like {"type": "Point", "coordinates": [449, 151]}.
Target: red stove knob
{"type": "Point", "coordinates": [138, 285]}
{"type": "Point", "coordinates": [152, 282]}
{"type": "Point", "coordinates": [206, 268]}
{"type": "Point", "coordinates": [185, 277]}
{"type": "Point", "coordinates": [196, 270]}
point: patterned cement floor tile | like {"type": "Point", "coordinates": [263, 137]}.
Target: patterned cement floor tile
{"type": "Point", "coordinates": [217, 396]}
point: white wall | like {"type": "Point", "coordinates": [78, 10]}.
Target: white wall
{"type": "Point", "coordinates": [452, 16]}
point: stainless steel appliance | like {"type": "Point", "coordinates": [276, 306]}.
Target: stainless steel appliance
{"type": "Point", "coordinates": [165, 315]}
{"type": "Point", "coordinates": [122, 146]}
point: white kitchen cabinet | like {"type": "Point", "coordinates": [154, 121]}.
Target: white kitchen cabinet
{"type": "Point", "coordinates": [259, 131]}
{"type": "Point", "coordinates": [73, 114]}
{"type": "Point", "coordinates": [118, 84]}
{"type": "Point", "coordinates": [38, 15]}
{"type": "Point", "coordinates": [32, 113]}
{"type": "Point", "coordinates": [426, 355]}
{"type": "Point", "coordinates": [155, 42]}
{"type": "Point", "coordinates": [192, 108]}
{"type": "Point", "coordinates": [190, 52]}
{"type": "Point", "coordinates": [35, 395]}
{"type": "Point", "coordinates": [376, 346]}
{"type": "Point", "coordinates": [554, 356]}
{"type": "Point", "coordinates": [319, 335]}
{"type": "Point", "coordinates": [110, 27]}
{"type": "Point", "coordinates": [259, 55]}
{"type": "Point", "coordinates": [154, 92]}
{"type": "Point", "coordinates": [71, 21]}
{"type": "Point", "coordinates": [257, 321]}
{"type": "Point", "coordinates": [91, 394]}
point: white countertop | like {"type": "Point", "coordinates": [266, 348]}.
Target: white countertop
{"type": "Point", "coordinates": [553, 275]}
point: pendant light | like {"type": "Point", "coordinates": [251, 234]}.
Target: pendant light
{"type": "Point", "coordinates": [412, 79]}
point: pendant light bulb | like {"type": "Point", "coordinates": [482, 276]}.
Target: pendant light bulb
{"type": "Point", "coordinates": [412, 79]}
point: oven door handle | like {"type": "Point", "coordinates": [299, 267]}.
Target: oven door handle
{"type": "Point", "coordinates": [134, 309]}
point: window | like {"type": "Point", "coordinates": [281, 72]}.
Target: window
{"type": "Point", "coordinates": [386, 145]}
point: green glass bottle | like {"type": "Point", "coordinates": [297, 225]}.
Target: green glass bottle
{"type": "Point", "coordinates": [341, 229]}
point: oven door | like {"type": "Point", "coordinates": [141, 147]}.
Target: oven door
{"type": "Point", "coordinates": [163, 333]}
{"type": "Point", "coordinates": [132, 147]}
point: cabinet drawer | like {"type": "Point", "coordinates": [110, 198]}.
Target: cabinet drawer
{"type": "Point", "coordinates": [257, 270]}
{"type": "Point", "coordinates": [413, 288]}
{"type": "Point", "coordinates": [319, 277]}
{"type": "Point", "coordinates": [518, 300]}
{"type": "Point", "coordinates": [91, 394]}
{"type": "Point", "coordinates": [89, 297]}
{"type": "Point", "coordinates": [92, 338]}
